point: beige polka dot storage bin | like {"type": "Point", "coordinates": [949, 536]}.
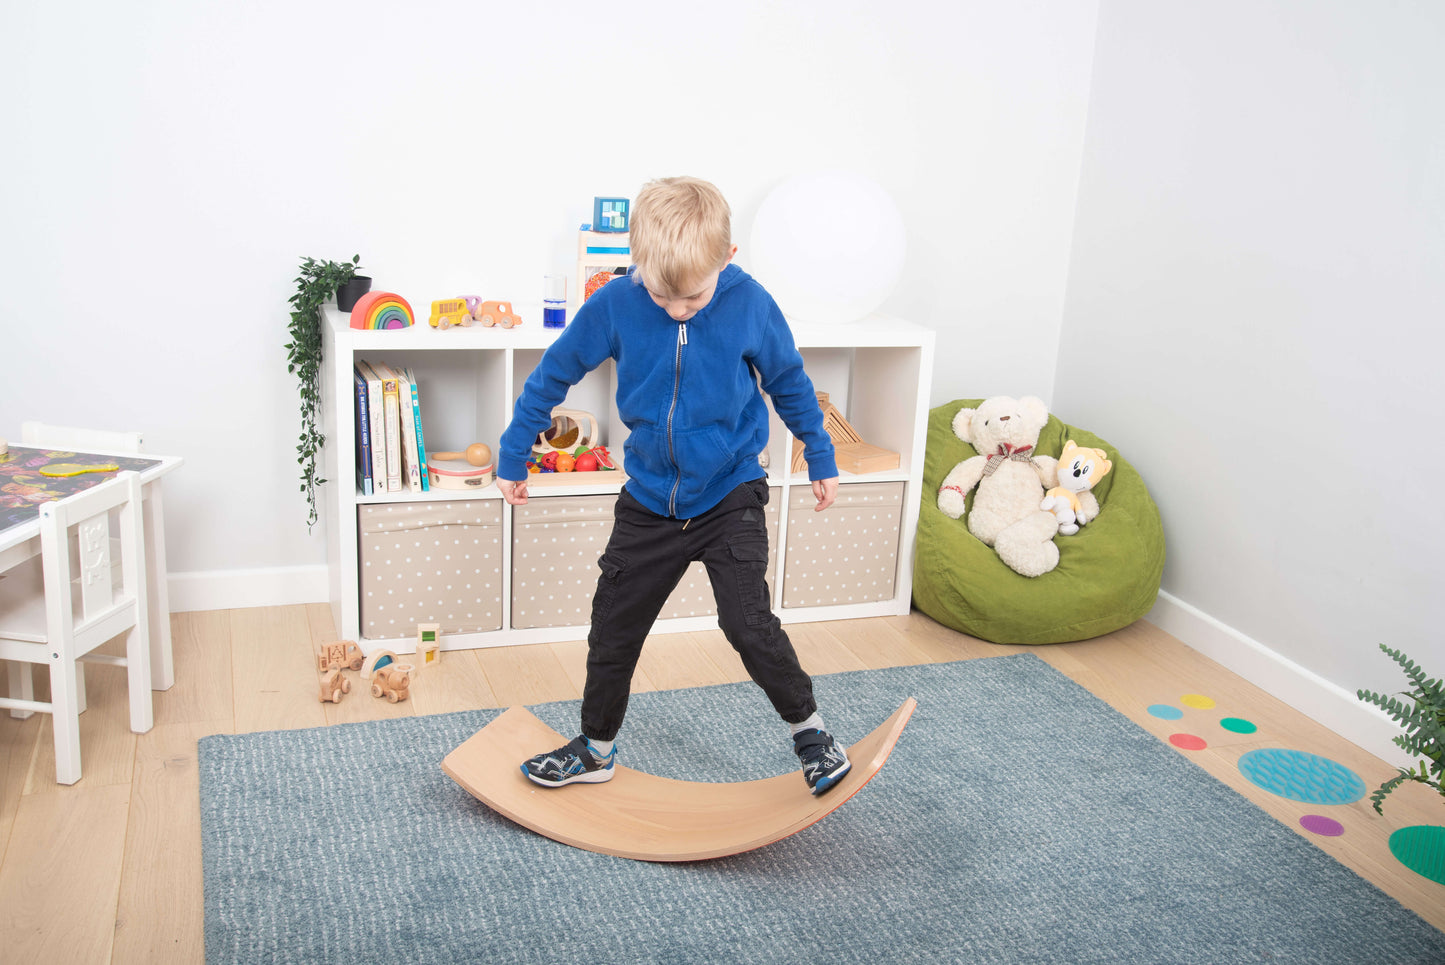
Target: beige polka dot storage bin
{"type": "Point", "coordinates": [846, 554]}
{"type": "Point", "coordinates": [430, 562]}
{"type": "Point", "coordinates": [556, 543]}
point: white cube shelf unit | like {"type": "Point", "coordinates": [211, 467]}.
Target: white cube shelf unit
{"type": "Point", "coordinates": [876, 372]}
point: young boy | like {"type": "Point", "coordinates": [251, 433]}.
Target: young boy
{"type": "Point", "coordinates": [693, 337]}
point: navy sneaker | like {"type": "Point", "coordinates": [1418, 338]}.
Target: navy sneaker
{"type": "Point", "coordinates": [824, 761]}
{"type": "Point", "coordinates": [572, 764]}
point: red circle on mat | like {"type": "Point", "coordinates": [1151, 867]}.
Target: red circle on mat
{"type": "Point", "coordinates": [1187, 742]}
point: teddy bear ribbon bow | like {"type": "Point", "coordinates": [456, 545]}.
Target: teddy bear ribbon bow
{"type": "Point", "coordinates": [1005, 453]}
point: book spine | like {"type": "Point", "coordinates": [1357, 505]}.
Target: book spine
{"type": "Point", "coordinates": [363, 434]}
{"type": "Point", "coordinates": [411, 472]}
{"type": "Point", "coordinates": [378, 425]}
{"type": "Point", "coordinates": [392, 398]}
{"type": "Point", "coordinates": [420, 441]}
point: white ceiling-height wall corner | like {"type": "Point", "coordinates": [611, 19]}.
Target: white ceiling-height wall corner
{"type": "Point", "coordinates": [1253, 314]}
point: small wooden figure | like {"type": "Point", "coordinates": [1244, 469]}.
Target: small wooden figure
{"type": "Point", "coordinates": [392, 681]}
{"type": "Point", "coordinates": [428, 644]}
{"type": "Point", "coordinates": [342, 653]}
{"type": "Point", "coordinates": [333, 685]}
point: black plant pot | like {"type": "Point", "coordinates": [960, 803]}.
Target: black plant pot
{"type": "Point", "coordinates": [351, 291]}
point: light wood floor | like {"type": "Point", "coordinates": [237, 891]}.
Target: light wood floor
{"type": "Point", "coordinates": [109, 870]}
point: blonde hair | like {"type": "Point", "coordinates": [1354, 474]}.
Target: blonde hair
{"type": "Point", "coordinates": [681, 231]}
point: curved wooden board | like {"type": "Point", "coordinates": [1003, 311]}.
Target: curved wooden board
{"type": "Point", "coordinates": [646, 817]}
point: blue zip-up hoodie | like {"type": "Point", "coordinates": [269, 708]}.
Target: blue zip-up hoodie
{"type": "Point", "coordinates": [687, 391]}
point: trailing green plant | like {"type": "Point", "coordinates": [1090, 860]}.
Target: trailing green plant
{"type": "Point", "coordinates": [1423, 718]}
{"type": "Point", "coordinates": [315, 286]}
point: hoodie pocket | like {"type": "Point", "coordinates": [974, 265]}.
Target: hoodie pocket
{"type": "Point", "coordinates": [702, 457]}
{"type": "Point", "coordinates": [694, 459]}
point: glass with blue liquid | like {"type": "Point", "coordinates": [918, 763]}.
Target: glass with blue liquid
{"type": "Point", "coordinates": [554, 301]}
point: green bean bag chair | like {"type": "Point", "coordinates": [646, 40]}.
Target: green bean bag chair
{"type": "Point", "coordinates": [1108, 573]}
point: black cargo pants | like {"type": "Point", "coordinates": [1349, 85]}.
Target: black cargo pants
{"type": "Point", "coordinates": [645, 559]}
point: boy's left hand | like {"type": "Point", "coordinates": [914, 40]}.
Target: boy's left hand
{"type": "Point", "coordinates": [825, 491]}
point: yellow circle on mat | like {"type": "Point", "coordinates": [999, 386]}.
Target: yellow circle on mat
{"type": "Point", "coordinates": [1197, 701]}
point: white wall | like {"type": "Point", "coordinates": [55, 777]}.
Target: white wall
{"type": "Point", "coordinates": [1252, 266]}
{"type": "Point", "coordinates": [1254, 312]}
{"type": "Point", "coordinates": [168, 164]}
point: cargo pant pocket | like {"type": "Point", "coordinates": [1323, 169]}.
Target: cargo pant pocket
{"type": "Point", "coordinates": [750, 568]}
{"type": "Point", "coordinates": [614, 571]}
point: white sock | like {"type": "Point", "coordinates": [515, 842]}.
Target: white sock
{"type": "Point", "coordinates": [600, 749]}
{"type": "Point", "coordinates": [815, 722]}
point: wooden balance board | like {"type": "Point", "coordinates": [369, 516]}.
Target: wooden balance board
{"type": "Point", "coordinates": [646, 817]}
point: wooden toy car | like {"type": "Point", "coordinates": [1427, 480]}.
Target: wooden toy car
{"type": "Point", "coordinates": [392, 682]}
{"type": "Point", "coordinates": [342, 653]}
{"type": "Point", "coordinates": [450, 311]}
{"type": "Point", "coordinates": [333, 685]}
{"type": "Point", "coordinates": [491, 314]}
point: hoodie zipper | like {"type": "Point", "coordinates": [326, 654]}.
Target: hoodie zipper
{"type": "Point", "coordinates": [676, 387]}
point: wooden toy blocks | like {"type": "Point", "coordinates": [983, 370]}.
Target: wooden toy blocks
{"type": "Point", "coordinates": [428, 644]}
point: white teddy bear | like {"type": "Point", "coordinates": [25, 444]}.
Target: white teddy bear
{"type": "Point", "coordinates": [1011, 481]}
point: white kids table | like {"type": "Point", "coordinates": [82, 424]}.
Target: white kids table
{"type": "Point", "coordinates": [23, 488]}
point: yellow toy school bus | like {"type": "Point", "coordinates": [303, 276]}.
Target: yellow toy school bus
{"type": "Point", "coordinates": [450, 311]}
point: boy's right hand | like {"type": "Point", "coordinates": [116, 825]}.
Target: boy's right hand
{"type": "Point", "coordinates": [514, 492]}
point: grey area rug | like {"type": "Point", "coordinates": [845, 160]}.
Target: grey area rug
{"type": "Point", "coordinates": [1020, 819]}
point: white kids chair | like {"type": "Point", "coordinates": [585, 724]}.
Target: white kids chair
{"type": "Point", "coordinates": [76, 604]}
{"type": "Point", "coordinates": [43, 436]}
{"type": "Point", "coordinates": [68, 437]}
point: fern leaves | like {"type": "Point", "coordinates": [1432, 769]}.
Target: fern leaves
{"type": "Point", "coordinates": [1422, 717]}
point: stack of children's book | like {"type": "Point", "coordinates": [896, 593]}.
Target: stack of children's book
{"type": "Point", "coordinates": [390, 450]}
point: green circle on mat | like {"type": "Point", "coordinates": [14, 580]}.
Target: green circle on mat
{"type": "Point", "coordinates": [1421, 848]}
{"type": "Point", "coordinates": [1238, 725]}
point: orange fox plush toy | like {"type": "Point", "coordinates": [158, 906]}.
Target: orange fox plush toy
{"type": "Point", "coordinates": [1079, 469]}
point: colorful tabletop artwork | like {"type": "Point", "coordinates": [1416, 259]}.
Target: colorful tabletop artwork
{"type": "Point", "coordinates": [24, 486]}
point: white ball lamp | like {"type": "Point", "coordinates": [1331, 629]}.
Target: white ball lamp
{"type": "Point", "coordinates": [829, 246]}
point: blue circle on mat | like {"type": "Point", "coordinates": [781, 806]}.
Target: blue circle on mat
{"type": "Point", "coordinates": [1303, 777]}
{"type": "Point", "coordinates": [1165, 712]}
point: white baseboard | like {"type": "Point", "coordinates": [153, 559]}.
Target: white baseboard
{"type": "Point", "coordinates": [1333, 706]}
{"type": "Point", "coordinates": [1312, 695]}
{"type": "Point", "coordinates": [234, 589]}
